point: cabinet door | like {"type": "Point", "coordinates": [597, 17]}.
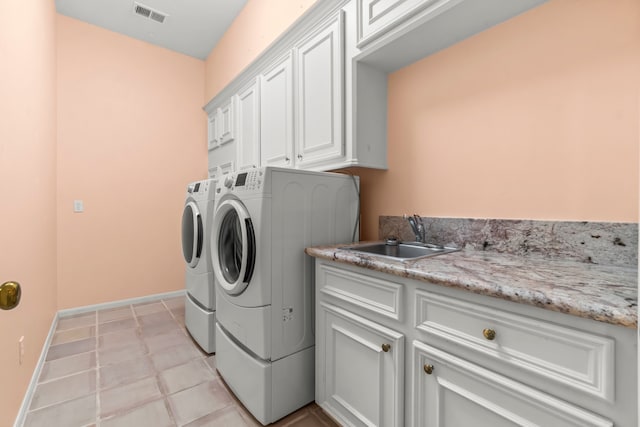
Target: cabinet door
{"type": "Point", "coordinates": [212, 130]}
{"type": "Point", "coordinates": [452, 392]}
{"type": "Point", "coordinates": [376, 17]}
{"type": "Point", "coordinates": [319, 95]}
{"type": "Point", "coordinates": [362, 367]}
{"type": "Point", "coordinates": [276, 114]}
{"type": "Point", "coordinates": [227, 124]}
{"type": "Point", "coordinates": [248, 132]}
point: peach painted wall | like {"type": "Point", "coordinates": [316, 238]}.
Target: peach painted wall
{"type": "Point", "coordinates": [535, 118]}
{"type": "Point", "coordinates": [27, 189]}
{"type": "Point", "coordinates": [258, 24]}
{"type": "Point", "coordinates": [131, 135]}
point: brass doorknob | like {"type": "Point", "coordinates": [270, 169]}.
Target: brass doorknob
{"type": "Point", "coordinates": [489, 334]}
{"type": "Point", "coordinates": [386, 347]}
{"type": "Point", "coordinates": [428, 369]}
{"type": "Point", "coordinates": [9, 295]}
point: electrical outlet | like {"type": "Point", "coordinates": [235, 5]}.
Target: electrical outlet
{"type": "Point", "coordinates": [20, 350]}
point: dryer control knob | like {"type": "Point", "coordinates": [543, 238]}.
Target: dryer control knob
{"type": "Point", "coordinates": [228, 182]}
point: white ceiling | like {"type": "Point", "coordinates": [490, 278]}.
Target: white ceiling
{"type": "Point", "coordinates": [192, 27]}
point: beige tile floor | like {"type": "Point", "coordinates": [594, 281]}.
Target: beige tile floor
{"type": "Point", "coordinates": [136, 365]}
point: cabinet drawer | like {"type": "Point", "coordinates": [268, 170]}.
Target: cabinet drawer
{"type": "Point", "coordinates": [573, 358]}
{"type": "Point", "coordinates": [378, 296]}
{"type": "Point", "coordinates": [449, 391]}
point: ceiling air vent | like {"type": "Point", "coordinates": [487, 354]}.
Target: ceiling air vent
{"type": "Point", "coordinates": [158, 17]}
{"type": "Point", "coordinates": [147, 12]}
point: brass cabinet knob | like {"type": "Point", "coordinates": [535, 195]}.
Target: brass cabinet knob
{"type": "Point", "coordinates": [9, 295]}
{"type": "Point", "coordinates": [489, 334]}
{"type": "Point", "coordinates": [428, 369]}
{"type": "Point", "coordinates": [386, 347]}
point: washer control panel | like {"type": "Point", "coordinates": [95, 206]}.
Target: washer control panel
{"type": "Point", "coordinates": [251, 180]}
{"type": "Point", "coordinates": [200, 189]}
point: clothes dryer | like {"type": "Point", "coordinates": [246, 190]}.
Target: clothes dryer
{"type": "Point", "coordinates": [265, 322]}
{"type": "Point", "coordinates": [200, 302]}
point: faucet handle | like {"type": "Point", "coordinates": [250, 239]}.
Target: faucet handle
{"type": "Point", "coordinates": [420, 230]}
{"type": "Point", "coordinates": [414, 226]}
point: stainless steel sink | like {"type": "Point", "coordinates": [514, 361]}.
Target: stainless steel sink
{"type": "Point", "coordinates": [401, 251]}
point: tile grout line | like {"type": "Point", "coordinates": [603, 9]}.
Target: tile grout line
{"type": "Point", "coordinates": [68, 375]}
{"type": "Point", "coordinates": [163, 392]}
{"type": "Point", "coordinates": [182, 329]}
{"type": "Point", "coordinates": [55, 403]}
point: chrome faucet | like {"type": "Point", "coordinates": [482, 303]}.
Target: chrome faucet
{"type": "Point", "coordinates": [417, 226]}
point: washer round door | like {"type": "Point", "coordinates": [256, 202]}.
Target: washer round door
{"type": "Point", "coordinates": [234, 247]}
{"type": "Point", "coordinates": [192, 234]}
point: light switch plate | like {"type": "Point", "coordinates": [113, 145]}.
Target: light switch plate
{"type": "Point", "coordinates": [78, 206]}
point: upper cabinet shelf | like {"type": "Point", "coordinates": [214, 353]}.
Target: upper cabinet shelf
{"type": "Point", "coordinates": [396, 33]}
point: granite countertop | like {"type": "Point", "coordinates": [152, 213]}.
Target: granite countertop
{"type": "Point", "coordinates": [605, 293]}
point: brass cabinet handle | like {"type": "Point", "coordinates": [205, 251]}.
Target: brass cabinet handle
{"type": "Point", "coordinates": [9, 295]}
{"type": "Point", "coordinates": [428, 369]}
{"type": "Point", "coordinates": [489, 334]}
{"type": "Point", "coordinates": [386, 347]}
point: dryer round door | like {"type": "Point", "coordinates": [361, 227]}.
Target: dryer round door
{"type": "Point", "coordinates": [192, 234]}
{"type": "Point", "coordinates": [234, 247]}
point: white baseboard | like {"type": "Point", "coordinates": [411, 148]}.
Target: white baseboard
{"type": "Point", "coordinates": [22, 413]}
{"type": "Point", "coordinates": [113, 304]}
{"type": "Point", "coordinates": [26, 402]}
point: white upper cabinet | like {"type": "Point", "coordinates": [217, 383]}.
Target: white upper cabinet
{"type": "Point", "coordinates": [221, 139]}
{"type": "Point", "coordinates": [377, 16]}
{"type": "Point", "coordinates": [319, 95]}
{"type": "Point", "coordinates": [222, 125]}
{"type": "Point", "coordinates": [227, 125]}
{"type": "Point", "coordinates": [248, 132]}
{"type": "Point", "coordinates": [276, 113]}
{"type": "Point", "coordinates": [212, 131]}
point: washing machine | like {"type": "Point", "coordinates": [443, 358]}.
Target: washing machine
{"type": "Point", "coordinates": [264, 281]}
{"type": "Point", "coordinates": [200, 297]}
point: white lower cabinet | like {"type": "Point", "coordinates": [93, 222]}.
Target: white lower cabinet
{"type": "Point", "coordinates": [451, 392]}
{"type": "Point", "coordinates": [457, 359]}
{"type": "Point", "coordinates": [363, 363]}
